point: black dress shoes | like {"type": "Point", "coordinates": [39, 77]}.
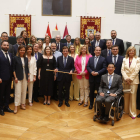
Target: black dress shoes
{"type": "Point", "coordinates": [2, 112]}
{"type": "Point", "coordinates": [60, 104]}
{"type": "Point", "coordinates": [36, 100]}
{"type": "Point", "coordinates": [67, 104]}
{"type": "Point", "coordinates": [101, 117]}
{"type": "Point", "coordinates": [8, 110]}
{"type": "Point", "coordinates": [91, 106]}
{"type": "Point", "coordinates": [138, 116]}
{"type": "Point", "coordinates": [106, 119]}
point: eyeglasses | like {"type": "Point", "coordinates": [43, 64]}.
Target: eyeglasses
{"type": "Point", "coordinates": [4, 36]}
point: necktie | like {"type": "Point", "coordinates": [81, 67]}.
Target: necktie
{"type": "Point", "coordinates": [114, 60]}
{"type": "Point", "coordinates": [97, 43]}
{"type": "Point", "coordinates": [110, 81]}
{"type": "Point", "coordinates": [113, 42]}
{"type": "Point", "coordinates": [68, 45]}
{"type": "Point", "coordinates": [7, 58]}
{"type": "Point", "coordinates": [95, 62]}
{"type": "Point", "coordinates": [109, 52]}
{"type": "Point", "coordinates": [57, 46]}
{"type": "Point", "coordinates": [64, 62]}
{"type": "Point", "coordinates": [36, 56]}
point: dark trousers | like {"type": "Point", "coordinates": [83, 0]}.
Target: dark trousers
{"type": "Point", "coordinates": [93, 87]}
{"type": "Point", "coordinates": [62, 83]}
{"type": "Point", "coordinates": [5, 90]}
{"type": "Point", "coordinates": [107, 100]}
{"type": "Point", "coordinates": [55, 96]}
{"type": "Point", "coordinates": [36, 88]}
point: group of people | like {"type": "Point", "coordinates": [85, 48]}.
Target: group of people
{"type": "Point", "coordinates": [97, 65]}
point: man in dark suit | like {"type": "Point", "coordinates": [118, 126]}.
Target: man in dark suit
{"type": "Point", "coordinates": [19, 42]}
{"type": "Point", "coordinates": [4, 36]}
{"type": "Point", "coordinates": [68, 38]}
{"type": "Point", "coordinates": [59, 45]}
{"type": "Point", "coordinates": [96, 67]}
{"type": "Point", "coordinates": [98, 42]}
{"type": "Point", "coordinates": [91, 37]}
{"type": "Point", "coordinates": [116, 59]}
{"type": "Point", "coordinates": [110, 88]}
{"type": "Point", "coordinates": [107, 52]}
{"type": "Point", "coordinates": [36, 83]}
{"type": "Point", "coordinates": [117, 41]}
{"type": "Point", "coordinates": [5, 77]}
{"type": "Point", "coordinates": [64, 63]}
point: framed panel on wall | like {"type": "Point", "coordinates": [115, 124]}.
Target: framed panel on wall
{"type": "Point", "coordinates": [56, 7]}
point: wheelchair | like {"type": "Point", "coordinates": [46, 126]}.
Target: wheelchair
{"type": "Point", "coordinates": [116, 109]}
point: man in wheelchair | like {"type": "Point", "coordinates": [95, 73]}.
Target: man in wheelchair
{"type": "Point", "coordinates": [110, 88]}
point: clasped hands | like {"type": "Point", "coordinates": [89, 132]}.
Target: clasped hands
{"type": "Point", "coordinates": [111, 94]}
{"type": "Point", "coordinates": [128, 81]}
{"type": "Point", "coordinates": [94, 73]}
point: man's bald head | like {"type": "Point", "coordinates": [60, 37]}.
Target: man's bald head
{"type": "Point", "coordinates": [58, 38]}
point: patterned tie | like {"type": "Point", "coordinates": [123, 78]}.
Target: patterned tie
{"type": "Point", "coordinates": [114, 60]}
{"type": "Point", "coordinates": [64, 62]}
{"type": "Point", "coordinates": [95, 62]}
{"type": "Point", "coordinates": [110, 81]}
{"type": "Point", "coordinates": [36, 56]}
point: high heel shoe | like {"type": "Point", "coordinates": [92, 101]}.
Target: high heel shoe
{"type": "Point", "coordinates": [48, 103]}
{"type": "Point", "coordinates": [15, 111]}
{"type": "Point", "coordinates": [30, 104]}
{"type": "Point", "coordinates": [44, 103]}
{"type": "Point", "coordinates": [23, 107]}
{"type": "Point", "coordinates": [80, 103]}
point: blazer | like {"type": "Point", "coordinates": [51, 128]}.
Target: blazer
{"type": "Point", "coordinates": [100, 68]}
{"type": "Point", "coordinates": [68, 68]}
{"type": "Point", "coordinates": [132, 71]}
{"type": "Point", "coordinates": [6, 70]}
{"type": "Point", "coordinates": [32, 68]}
{"type": "Point", "coordinates": [11, 50]}
{"type": "Point", "coordinates": [65, 44]}
{"type": "Point", "coordinates": [15, 48]}
{"type": "Point", "coordinates": [119, 43]}
{"type": "Point", "coordinates": [118, 65]}
{"type": "Point", "coordinates": [18, 69]}
{"type": "Point", "coordinates": [61, 46]}
{"type": "Point", "coordinates": [102, 45]}
{"type": "Point", "coordinates": [116, 86]}
{"type": "Point", "coordinates": [78, 66]}
{"type": "Point", "coordinates": [104, 53]}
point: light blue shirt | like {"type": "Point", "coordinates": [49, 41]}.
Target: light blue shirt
{"type": "Point", "coordinates": [57, 54]}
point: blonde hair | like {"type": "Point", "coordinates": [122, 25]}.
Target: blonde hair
{"type": "Point", "coordinates": [45, 50]}
{"type": "Point", "coordinates": [46, 37]}
{"type": "Point", "coordinates": [30, 39]}
{"type": "Point", "coordinates": [81, 47]}
{"type": "Point", "coordinates": [70, 47]}
{"type": "Point", "coordinates": [41, 42]}
{"type": "Point", "coordinates": [128, 50]}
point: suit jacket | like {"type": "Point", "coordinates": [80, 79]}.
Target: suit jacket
{"type": "Point", "coordinates": [102, 45]}
{"type": "Point", "coordinates": [15, 48]}
{"type": "Point", "coordinates": [18, 69]}
{"type": "Point", "coordinates": [119, 43]}
{"type": "Point", "coordinates": [61, 46]}
{"type": "Point", "coordinates": [132, 71]}
{"type": "Point", "coordinates": [118, 65]}
{"type": "Point", "coordinates": [65, 44]}
{"type": "Point", "coordinates": [6, 69]}
{"type": "Point", "coordinates": [11, 50]}
{"type": "Point", "coordinates": [100, 68]}
{"type": "Point", "coordinates": [32, 68]}
{"type": "Point", "coordinates": [104, 53]}
{"type": "Point", "coordinates": [116, 86]}
{"type": "Point", "coordinates": [78, 66]}
{"type": "Point", "coordinates": [68, 68]}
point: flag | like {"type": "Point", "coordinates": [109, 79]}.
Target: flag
{"type": "Point", "coordinates": [65, 32]}
{"type": "Point", "coordinates": [56, 29]}
{"type": "Point", "coordinates": [48, 31]}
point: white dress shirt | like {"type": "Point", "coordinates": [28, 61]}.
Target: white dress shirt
{"type": "Point", "coordinates": [113, 58]}
{"type": "Point", "coordinates": [44, 45]}
{"type": "Point", "coordinates": [111, 77]}
{"type": "Point", "coordinates": [7, 55]}
{"type": "Point", "coordinates": [97, 43]}
{"type": "Point", "coordinates": [83, 63]}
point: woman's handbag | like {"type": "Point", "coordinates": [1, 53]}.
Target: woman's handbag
{"type": "Point", "coordinates": [126, 88]}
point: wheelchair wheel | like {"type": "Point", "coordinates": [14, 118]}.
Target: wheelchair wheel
{"type": "Point", "coordinates": [119, 108]}
{"type": "Point", "coordinates": [94, 118]}
{"type": "Point", "coordinates": [112, 123]}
